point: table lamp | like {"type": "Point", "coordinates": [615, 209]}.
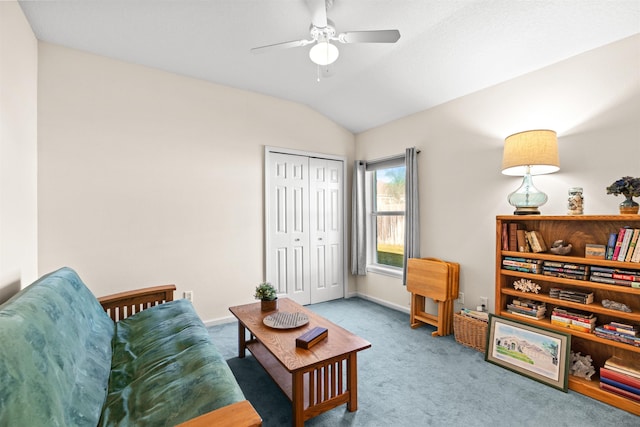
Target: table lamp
{"type": "Point", "coordinates": [533, 152]}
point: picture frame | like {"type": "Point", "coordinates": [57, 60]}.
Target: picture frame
{"type": "Point", "coordinates": [535, 352]}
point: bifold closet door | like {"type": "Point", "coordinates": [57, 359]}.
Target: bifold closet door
{"type": "Point", "coordinates": [288, 225]}
{"type": "Point", "coordinates": [326, 233]}
{"type": "Point", "coordinates": [305, 220]}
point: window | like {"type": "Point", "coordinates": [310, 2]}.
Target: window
{"type": "Point", "coordinates": [387, 203]}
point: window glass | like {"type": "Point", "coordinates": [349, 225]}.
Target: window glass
{"type": "Point", "coordinates": [388, 210]}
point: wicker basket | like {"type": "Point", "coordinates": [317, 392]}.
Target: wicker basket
{"type": "Point", "coordinates": [470, 332]}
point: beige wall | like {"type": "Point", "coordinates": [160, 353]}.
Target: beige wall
{"type": "Point", "coordinates": [591, 100]}
{"type": "Point", "coordinates": [147, 177]}
{"type": "Point", "coordinates": [18, 142]}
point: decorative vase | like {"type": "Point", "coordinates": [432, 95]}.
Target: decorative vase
{"type": "Point", "coordinates": [628, 206]}
{"type": "Point", "coordinates": [269, 305]}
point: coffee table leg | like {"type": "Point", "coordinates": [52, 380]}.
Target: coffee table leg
{"type": "Point", "coordinates": [297, 399]}
{"type": "Point", "coordinates": [352, 382]}
{"type": "Point", "coordinates": [242, 340]}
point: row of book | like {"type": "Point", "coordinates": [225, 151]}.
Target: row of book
{"type": "Point", "coordinates": [515, 238]}
{"type": "Point", "coordinates": [527, 308]}
{"type": "Point", "coordinates": [621, 377]}
{"type": "Point", "coordinates": [615, 276]}
{"type": "Point", "coordinates": [569, 270]}
{"type": "Point", "coordinates": [573, 295]}
{"type": "Point", "coordinates": [565, 270]}
{"type": "Point", "coordinates": [574, 319]}
{"type": "Point", "coordinates": [623, 245]}
{"type": "Point", "coordinates": [620, 332]}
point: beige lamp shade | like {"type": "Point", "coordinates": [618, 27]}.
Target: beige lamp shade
{"type": "Point", "coordinates": [537, 149]}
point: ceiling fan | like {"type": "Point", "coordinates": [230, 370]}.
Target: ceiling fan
{"type": "Point", "coordinates": [323, 33]}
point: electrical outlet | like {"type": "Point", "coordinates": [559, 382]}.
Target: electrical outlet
{"type": "Point", "coordinates": [188, 295]}
{"type": "Point", "coordinates": [461, 297]}
{"type": "Point", "coordinates": [484, 301]}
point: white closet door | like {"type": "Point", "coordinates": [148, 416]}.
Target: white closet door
{"type": "Point", "coordinates": [326, 229]}
{"type": "Point", "coordinates": [304, 226]}
{"type": "Point", "coordinates": [288, 225]}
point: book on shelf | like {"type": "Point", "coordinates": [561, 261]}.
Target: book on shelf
{"type": "Point", "coordinates": [513, 235]}
{"type": "Point", "coordinates": [636, 251]}
{"type": "Point", "coordinates": [632, 245]}
{"type": "Point", "coordinates": [630, 332]}
{"type": "Point", "coordinates": [621, 385]}
{"type": "Point", "coordinates": [505, 237]}
{"type": "Point", "coordinates": [611, 244]}
{"type": "Point", "coordinates": [611, 281]}
{"type": "Point", "coordinates": [580, 316]}
{"type": "Point", "coordinates": [629, 367]}
{"type": "Point", "coordinates": [620, 377]}
{"type": "Point", "coordinates": [595, 251]}
{"type": "Point", "coordinates": [566, 266]}
{"type": "Point", "coordinates": [523, 244]}
{"type": "Point", "coordinates": [624, 247]}
{"type": "Point", "coordinates": [528, 308]}
{"type": "Point", "coordinates": [565, 270]}
{"type": "Point", "coordinates": [584, 322]}
{"type": "Point", "coordinates": [601, 269]}
{"type": "Point", "coordinates": [522, 264]}
{"type": "Point", "coordinates": [565, 274]}
{"type": "Point", "coordinates": [602, 332]}
{"type": "Point", "coordinates": [616, 249]}
{"type": "Point", "coordinates": [619, 391]}
{"type": "Point", "coordinates": [629, 277]}
{"type": "Point", "coordinates": [536, 241]}
{"type": "Point", "coordinates": [582, 297]}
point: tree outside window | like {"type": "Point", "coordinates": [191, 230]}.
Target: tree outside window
{"type": "Point", "coordinates": [389, 213]}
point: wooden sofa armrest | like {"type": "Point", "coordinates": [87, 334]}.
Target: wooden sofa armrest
{"type": "Point", "coordinates": [124, 304]}
{"type": "Point", "coordinates": [239, 414]}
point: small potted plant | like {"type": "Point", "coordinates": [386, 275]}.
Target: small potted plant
{"type": "Point", "coordinates": [268, 296]}
{"type": "Point", "coordinates": [628, 187]}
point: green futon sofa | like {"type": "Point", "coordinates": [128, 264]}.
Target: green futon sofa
{"type": "Point", "coordinates": [64, 361]}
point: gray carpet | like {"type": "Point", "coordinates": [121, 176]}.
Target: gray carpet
{"type": "Point", "coordinates": [409, 378]}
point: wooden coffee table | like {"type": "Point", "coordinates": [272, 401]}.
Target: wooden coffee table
{"type": "Point", "coordinates": [315, 380]}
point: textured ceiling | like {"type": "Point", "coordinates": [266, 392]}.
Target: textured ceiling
{"type": "Point", "coordinates": [447, 49]}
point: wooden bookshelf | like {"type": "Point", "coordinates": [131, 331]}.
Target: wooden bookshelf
{"type": "Point", "coordinates": [579, 231]}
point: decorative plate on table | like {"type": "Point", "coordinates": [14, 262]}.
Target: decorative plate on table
{"type": "Point", "coordinates": [284, 320]}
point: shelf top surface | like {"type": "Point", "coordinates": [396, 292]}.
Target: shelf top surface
{"type": "Point", "coordinates": [617, 218]}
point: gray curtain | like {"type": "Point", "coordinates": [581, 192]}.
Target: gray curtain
{"type": "Point", "coordinates": [412, 210]}
{"type": "Point", "coordinates": [358, 221]}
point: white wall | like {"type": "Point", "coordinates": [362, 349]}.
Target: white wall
{"type": "Point", "coordinates": [591, 100]}
{"type": "Point", "coordinates": [147, 177]}
{"type": "Point", "coordinates": [18, 142]}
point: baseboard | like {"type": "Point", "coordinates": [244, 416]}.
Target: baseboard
{"type": "Point", "coordinates": [231, 319]}
{"type": "Point", "coordinates": [219, 321]}
{"type": "Point", "coordinates": [384, 303]}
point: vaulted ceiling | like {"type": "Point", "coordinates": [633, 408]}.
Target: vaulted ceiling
{"type": "Point", "coordinates": [447, 48]}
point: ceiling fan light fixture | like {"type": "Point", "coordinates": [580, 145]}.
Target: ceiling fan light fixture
{"type": "Point", "coordinates": [324, 53]}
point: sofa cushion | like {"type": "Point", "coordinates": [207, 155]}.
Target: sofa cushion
{"type": "Point", "coordinates": [55, 354]}
{"type": "Point", "coordinates": [166, 369]}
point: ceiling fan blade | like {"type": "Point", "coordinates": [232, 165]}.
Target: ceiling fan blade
{"type": "Point", "coordinates": [318, 10]}
{"type": "Point", "coordinates": [279, 46]}
{"type": "Point", "coordinates": [378, 36]}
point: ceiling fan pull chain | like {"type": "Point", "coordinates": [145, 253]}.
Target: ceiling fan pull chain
{"type": "Point", "coordinates": [318, 73]}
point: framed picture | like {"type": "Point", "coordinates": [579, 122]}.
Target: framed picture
{"type": "Point", "coordinates": [538, 353]}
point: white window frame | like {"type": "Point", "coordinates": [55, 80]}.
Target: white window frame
{"type": "Point", "coordinates": [372, 265]}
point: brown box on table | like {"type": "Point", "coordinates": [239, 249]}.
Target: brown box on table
{"type": "Point", "coordinates": [311, 337]}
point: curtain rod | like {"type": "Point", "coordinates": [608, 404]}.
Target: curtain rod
{"type": "Point", "coordinates": [388, 158]}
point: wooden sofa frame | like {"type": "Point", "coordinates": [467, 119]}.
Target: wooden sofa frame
{"type": "Point", "coordinates": [124, 304]}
